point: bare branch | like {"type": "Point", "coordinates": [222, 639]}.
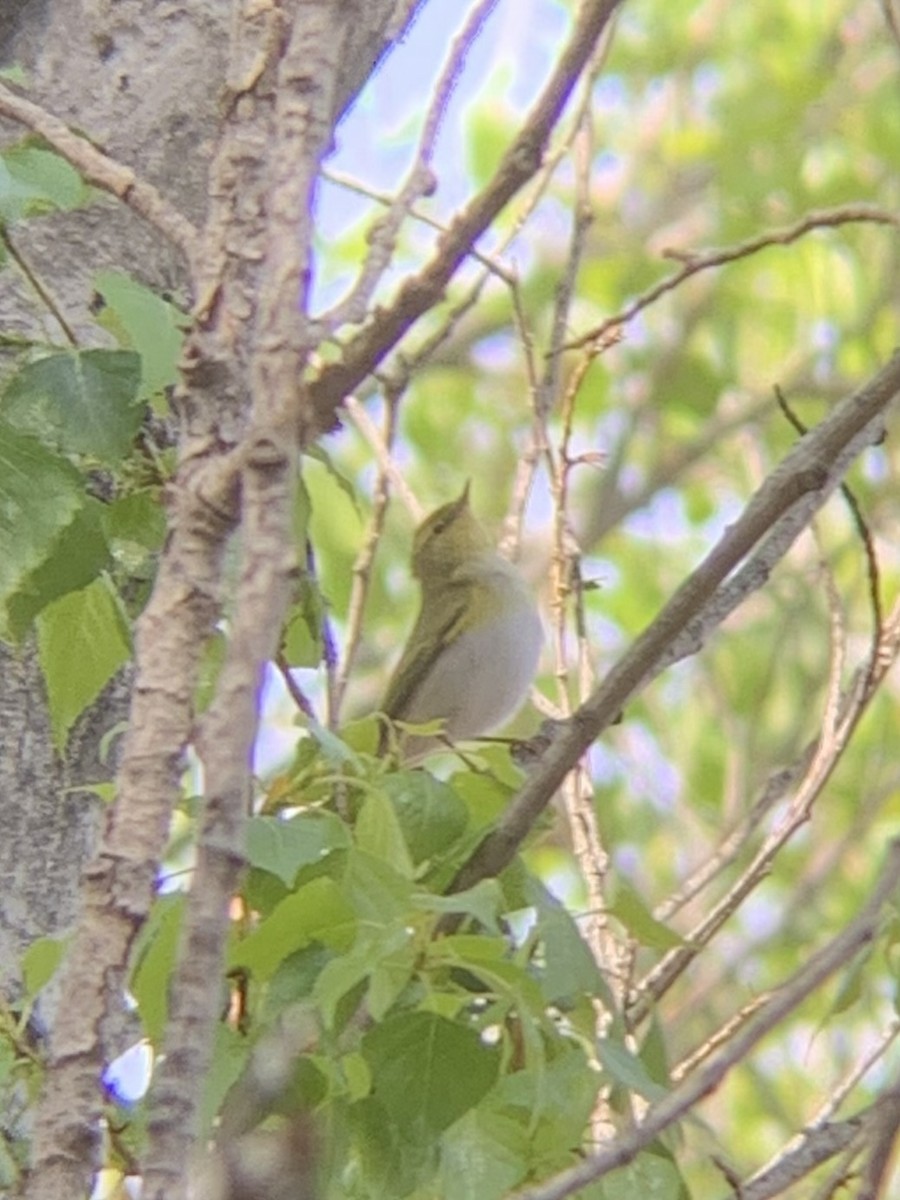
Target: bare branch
{"type": "Point", "coordinates": [883, 1132]}
{"type": "Point", "coordinates": [848, 214]}
{"type": "Point", "coordinates": [120, 883]}
{"type": "Point", "coordinates": [840, 721]}
{"type": "Point", "coordinates": [419, 182]}
{"type": "Point", "coordinates": [519, 164]}
{"type": "Point", "coordinates": [774, 517]}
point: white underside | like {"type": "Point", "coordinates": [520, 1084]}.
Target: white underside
{"type": "Point", "coordinates": [487, 671]}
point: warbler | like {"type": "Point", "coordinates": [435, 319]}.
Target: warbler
{"type": "Point", "coordinates": [474, 648]}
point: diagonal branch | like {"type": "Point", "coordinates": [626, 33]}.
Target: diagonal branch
{"type": "Point", "coordinates": [772, 520]}
{"type": "Point", "coordinates": [424, 289]}
{"type": "Point", "coordinates": [693, 264]}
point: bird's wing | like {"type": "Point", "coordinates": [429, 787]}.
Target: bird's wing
{"type": "Point", "coordinates": [426, 642]}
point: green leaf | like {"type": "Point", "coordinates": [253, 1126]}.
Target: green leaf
{"type": "Point", "coordinates": [626, 1068]}
{"type": "Point", "coordinates": [378, 833]}
{"type": "Point", "coordinates": [319, 911]}
{"type": "Point", "coordinates": [638, 920]}
{"type": "Point", "coordinates": [483, 902]}
{"type": "Point", "coordinates": [40, 495]}
{"type": "Point", "coordinates": [389, 948]}
{"type": "Point", "coordinates": [283, 847]}
{"type": "Point", "coordinates": [484, 1154]}
{"type": "Point", "coordinates": [650, 1176]}
{"type": "Point", "coordinates": [75, 559]}
{"type": "Point", "coordinates": [35, 181]}
{"type": "Point", "coordinates": [228, 1062]}
{"type": "Point", "coordinates": [569, 967]}
{"type": "Point", "coordinates": [431, 815]}
{"type": "Point", "coordinates": [79, 402]}
{"type": "Point", "coordinates": [380, 894]}
{"type": "Point", "coordinates": [136, 522]}
{"type": "Point", "coordinates": [302, 638]}
{"type": "Point", "coordinates": [144, 322]}
{"type": "Point", "coordinates": [82, 642]}
{"type": "Point", "coordinates": [40, 962]}
{"type": "Point", "coordinates": [428, 1071]}
{"type": "Point", "coordinates": [154, 959]}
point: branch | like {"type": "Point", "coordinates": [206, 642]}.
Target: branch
{"type": "Point", "coordinates": [695, 263]}
{"type": "Point", "coordinates": [120, 883]}
{"type": "Point", "coordinates": [854, 937]}
{"type": "Point", "coordinates": [884, 1129]}
{"type": "Point", "coordinates": [777, 513]}
{"type": "Point", "coordinates": [226, 748]}
{"type": "Point", "coordinates": [425, 289]}
{"type": "Point", "coordinates": [420, 181]}
{"type": "Point", "coordinates": [104, 172]}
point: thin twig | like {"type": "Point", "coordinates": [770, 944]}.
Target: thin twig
{"type": "Point", "coordinates": [365, 559]}
{"type": "Point", "coordinates": [419, 182]}
{"type": "Point", "coordinates": [46, 296]}
{"type": "Point", "coordinates": [294, 691]}
{"type": "Point", "coordinates": [104, 172]}
{"type": "Point", "coordinates": [865, 536]}
{"type": "Point", "coordinates": [520, 163]}
{"type": "Point", "coordinates": [695, 263]}
{"type": "Point", "coordinates": [840, 722]}
{"type": "Point", "coordinates": [381, 450]}
{"type": "Point", "coordinates": [781, 508]}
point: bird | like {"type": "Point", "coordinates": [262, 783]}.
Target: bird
{"type": "Point", "coordinates": [474, 649]}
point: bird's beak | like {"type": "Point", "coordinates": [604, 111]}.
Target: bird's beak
{"type": "Point", "coordinates": [463, 501]}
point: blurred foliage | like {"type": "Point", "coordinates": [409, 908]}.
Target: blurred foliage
{"type": "Point", "coordinates": [475, 1070]}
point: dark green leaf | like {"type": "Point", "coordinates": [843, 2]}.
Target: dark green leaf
{"type": "Point", "coordinates": [428, 1071]}
{"type": "Point", "coordinates": [40, 496]}
{"type": "Point", "coordinates": [80, 402]}
{"type": "Point", "coordinates": [73, 561]}
{"type": "Point", "coordinates": [430, 813]}
{"type": "Point", "coordinates": [82, 642]}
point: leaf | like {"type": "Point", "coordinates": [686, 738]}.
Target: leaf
{"type": "Point", "coordinates": [40, 496]}
{"type": "Point", "coordinates": [483, 902]}
{"type": "Point", "coordinates": [75, 559]}
{"type": "Point", "coordinates": [226, 1067]}
{"type": "Point", "coordinates": [484, 1154]}
{"type": "Point", "coordinates": [650, 1176]}
{"type": "Point", "coordinates": [34, 180]}
{"type": "Point", "coordinates": [569, 967]}
{"type": "Point", "coordinates": [82, 642]}
{"type": "Point", "coordinates": [428, 1071]}
{"type": "Point", "coordinates": [319, 911]}
{"type": "Point", "coordinates": [137, 520]}
{"type": "Point", "coordinates": [378, 833]}
{"type": "Point", "coordinates": [374, 949]}
{"type": "Point", "coordinates": [626, 1068]}
{"type": "Point", "coordinates": [302, 638]}
{"type": "Point", "coordinates": [40, 962]}
{"type": "Point", "coordinates": [638, 920]}
{"type": "Point", "coordinates": [79, 402]}
{"type": "Point", "coordinates": [430, 814]}
{"type": "Point", "coordinates": [283, 847]}
{"type": "Point", "coordinates": [144, 322]}
{"type": "Point", "coordinates": [153, 961]}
